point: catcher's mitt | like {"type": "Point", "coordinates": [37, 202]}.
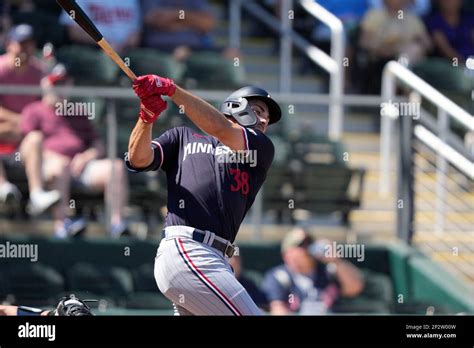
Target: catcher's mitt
{"type": "Point", "coordinates": [70, 307]}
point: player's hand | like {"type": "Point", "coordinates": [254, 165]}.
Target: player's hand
{"type": "Point", "coordinates": [151, 107]}
{"type": "Point", "coordinates": [147, 85]}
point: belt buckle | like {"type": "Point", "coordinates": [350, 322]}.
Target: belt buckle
{"type": "Point", "coordinates": [229, 250]}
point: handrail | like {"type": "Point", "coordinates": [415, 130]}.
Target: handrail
{"type": "Point", "coordinates": [336, 88]}
{"type": "Point", "coordinates": [393, 71]}
{"type": "Point", "coordinates": [436, 144]}
{"type": "Point", "coordinates": [333, 64]}
{"type": "Point", "coordinates": [429, 92]}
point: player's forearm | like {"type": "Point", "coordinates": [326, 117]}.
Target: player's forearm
{"type": "Point", "coordinates": [140, 153]}
{"type": "Point", "coordinates": [201, 113]}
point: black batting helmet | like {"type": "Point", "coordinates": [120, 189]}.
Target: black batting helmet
{"type": "Point", "coordinates": [236, 105]}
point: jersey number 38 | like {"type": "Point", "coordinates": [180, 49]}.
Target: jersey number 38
{"type": "Point", "coordinates": [241, 181]}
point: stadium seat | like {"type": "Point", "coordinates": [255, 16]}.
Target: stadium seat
{"type": "Point", "coordinates": [211, 70]}
{"type": "Point", "coordinates": [252, 256]}
{"type": "Point", "coordinates": [361, 306]}
{"type": "Point", "coordinates": [145, 61]}
{"type": "Point", "coordinates": [317, 149]}
{"type": "Point", "coordinates": [87, 65]}
{"type": "Point", "coordinates": [115, 282]}
{"type": "Point", "coordinates": [147, 295]}
{"type": "Point", "coordinates": [442, 75]}
{"type": "Point", "coordinates": [35, 284]}
{"type": "Point", "coordinates": [421, 308]}
{"type": "Point", "coordinates": [148, 300]}
{"type": "Point", "coordinates": [377, 296]}
{"type": "Point", "coordinates": [378, 287]}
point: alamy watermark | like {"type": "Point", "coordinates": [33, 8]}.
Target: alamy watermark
{"type": "Point", "coordinates": [241, 156]}
{"type": "Point", "coordinates": [75, 109]}
{"type": "Point", "coordinates": [222, 153]}
{"type": "Point", "coordinates": [19, 251]}
{"type": "Point", "coordinates": [335, 250]}
{"type": "Point", "coordinates": [395, 109]}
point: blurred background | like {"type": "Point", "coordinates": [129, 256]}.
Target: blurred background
{"type": "Point", "coordinates": [375, 147]}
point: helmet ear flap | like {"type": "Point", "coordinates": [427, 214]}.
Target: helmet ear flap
{"type": "Point", "coordinates": [240, 110]}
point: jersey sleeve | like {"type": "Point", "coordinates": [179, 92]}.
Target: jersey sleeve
{"type": "Point", "coordinates": [165, 150]}
{"type": "Point", "coordinates": [262, 146]}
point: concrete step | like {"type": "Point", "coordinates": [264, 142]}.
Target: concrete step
{"type": "Point", "coordinates": [299, 85]}
{"type": "Point", "coordinates": [267, 65]}
{"type": "Point", "coordinates": [452, 204]}
{"type": "Point", "coordinates": [317, 120]}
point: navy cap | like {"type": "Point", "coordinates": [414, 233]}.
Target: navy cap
{"type": "Point", "coordinates": [20, 33]}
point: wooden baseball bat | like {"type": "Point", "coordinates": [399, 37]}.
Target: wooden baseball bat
{"type": "Point", "coordinates": [80, 17]}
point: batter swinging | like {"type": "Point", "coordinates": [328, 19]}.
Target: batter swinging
{"type": "Point", "coordinates": [212, 182]}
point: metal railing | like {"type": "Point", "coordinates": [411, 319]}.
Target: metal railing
{"type": "Point", "coordinates": [437, 141]}
{"type": "Point", "coordinates": [394, 71]}
{"type": "Point", "coordinates": [332, 64]}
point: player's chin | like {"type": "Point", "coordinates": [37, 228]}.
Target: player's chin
{"type": "Point", "coordinates": [261, 129]}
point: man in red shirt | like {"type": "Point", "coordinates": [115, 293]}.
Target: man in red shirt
{"type": "Point", "coordinates": [18, 66]}
{"type": "Point", "coordinates": [71, 150]}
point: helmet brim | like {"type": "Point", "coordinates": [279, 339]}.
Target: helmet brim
{"type": "Point", "coordinates": [273, 108]}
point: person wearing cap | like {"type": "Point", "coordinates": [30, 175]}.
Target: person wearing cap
{"type": "Point", "coordinates": [119, 21]}
{"type": "Point", "coordinates": [72, 150]}
{"type": "Point", "coordinates": [309, 282]}
{"type": "Point", "coordinates": [18, 66]}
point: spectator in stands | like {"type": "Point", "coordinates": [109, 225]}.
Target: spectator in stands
{"type": "Point", "coordinates": [180, 27]}
{"type": "Point", "coordinates": [18, 66]}
{"type": "Point", "coordinates": [419, 8]}
{"type": "Point", "coordinates": [350, 13]}
{"type": "Point", "coordinates": [72, 151]}
{"type": "Point", "coordinates": [452, 31]}
{"type": "Point", "coordinates": [391, 33]}
{"type": "Point", "coordinates": [309, 282]}
{"type": "Point", "coordinates": [255, 293]}
{"type": "Point", "coordinates": [119, 21]}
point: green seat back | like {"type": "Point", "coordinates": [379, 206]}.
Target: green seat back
{"type": "Point", "coordinates": [211, 70]}
{"type": "Point", "coordinates": [145, 61]}
{"type": "Point", "coordinates": [35, 284]}
{"type": "Point", "coordinates": [88, 66]}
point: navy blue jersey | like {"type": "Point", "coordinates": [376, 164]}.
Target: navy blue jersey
{"type": "Point", "coordinates": [210, 187]}
{"type": "Point", "coordinates": [296, 289]}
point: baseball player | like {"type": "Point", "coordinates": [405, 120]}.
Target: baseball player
{"type": "Point", "coordinates": [212, 182]}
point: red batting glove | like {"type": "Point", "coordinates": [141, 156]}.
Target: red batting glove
{"type": "Point", "coordinates": [147, 85]}
{"type": "Point", "coordinates": [151, 107]}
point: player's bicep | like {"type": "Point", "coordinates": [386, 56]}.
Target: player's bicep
{"type": "Point", "coordinates": [156, 160]}
{"type": "Point", "coordinates": [165, 149]}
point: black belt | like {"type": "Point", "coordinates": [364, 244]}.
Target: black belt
{"type": "Point", "coordinates": [221, 244]}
